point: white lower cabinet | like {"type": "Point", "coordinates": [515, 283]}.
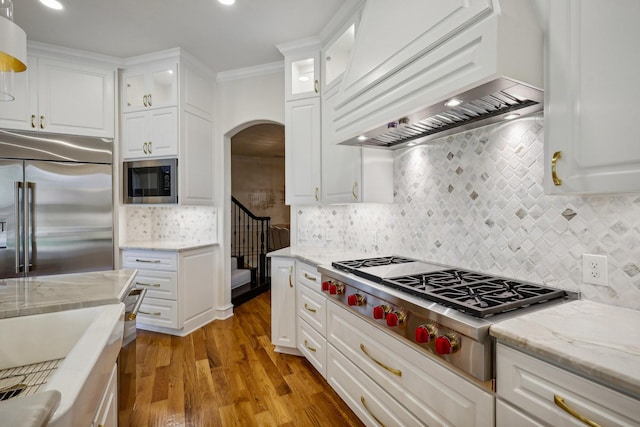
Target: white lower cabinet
{"type": "Point", "coordinates": [107, 413]}
{"type": "Point", "coordinates": [372, 404]}
{"type": "Point", "coordinates": [509, 416]}
{"type": "Point", "coordinates": [536, 387]}
{"type": "Point", "coordinates": [430, 391]}
{"type": "Point", "coordinates": [283, 305]}
{"type": "Point", "coordinates": [180, 289]}
{"type": "Point", "coordinates": [312, 317]}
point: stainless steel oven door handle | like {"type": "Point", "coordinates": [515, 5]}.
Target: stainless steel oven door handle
{"type": "Point", "coordinates": [131, 315]}
{"type": "Point", "coordinates": [18, 189]}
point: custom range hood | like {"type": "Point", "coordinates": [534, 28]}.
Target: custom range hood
{"type": "Point", "coordinates": [478, 63]}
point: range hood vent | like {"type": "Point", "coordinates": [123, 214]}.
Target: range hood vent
{"type": "Point", "coordinates": [483, 105]}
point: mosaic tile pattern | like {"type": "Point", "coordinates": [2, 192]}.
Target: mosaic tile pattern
{"type": "Point", "coordinates": [476, 200]}
{"type": "Point", "coordinates": [171, 223]}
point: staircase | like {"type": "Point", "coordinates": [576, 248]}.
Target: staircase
{"type": "Point", "coordinates": [250, 242]}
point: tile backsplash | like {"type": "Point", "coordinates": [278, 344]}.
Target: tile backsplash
{"type": "Point", "coordinates": [171, 223]}
{"type": "Point", "coordinates": [475, 200]}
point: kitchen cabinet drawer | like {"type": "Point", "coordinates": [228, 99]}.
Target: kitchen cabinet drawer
{"type": "Point", "coordinates": [532, 385]}
{"type": "Point", "coordinates": [308, 275]}
{"type": "Point", "coordinates": [431, 391]}
{"type": "Point", "coordinates": [159, 284]}
{"type": "Point", "coordinates": [313, 346]}
{"type": "Point", "coordinates": [158, 312]}
{"type": "Point", "coordinates": [509, 416]}
{"type": "Point", "coordinates": [370, 402]}
{"type": "Point", "coordinates": [312, 307]}
{"type": "Point", "coordinates": [150, 260]}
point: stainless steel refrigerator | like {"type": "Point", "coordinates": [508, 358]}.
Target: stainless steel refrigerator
{"type": "Point", "coordinates": [55, 204]}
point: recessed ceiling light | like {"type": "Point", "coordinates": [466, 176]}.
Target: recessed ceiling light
{"type": "Point", "coordinates": [453, 102]}
{"type": "Point", "coordinates": [227, 2]}
{"type": "Point", "coordinates": [511, 116]}
{"type": "Point", "coordinates": [303, 78]}
{"type": "Point", "coordinates": [362, 138]}
{"type": "Point", "coordinates": [52, 4]}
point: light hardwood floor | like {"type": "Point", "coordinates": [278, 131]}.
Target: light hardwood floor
{"type": "Point", "coordinates": [227, 374]}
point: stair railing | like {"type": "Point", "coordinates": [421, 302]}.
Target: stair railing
{"type": "Point", "coordinates": [250, 240]}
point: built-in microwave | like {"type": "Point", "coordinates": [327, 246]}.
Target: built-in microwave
{"type": "Point", "coordinates": [150, 181]}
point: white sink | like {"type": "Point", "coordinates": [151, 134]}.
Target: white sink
{"type": "Point", "coordinates": [89, 340]}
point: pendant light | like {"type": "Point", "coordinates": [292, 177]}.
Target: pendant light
{"type": "Point", "coordinates": [13, 50]}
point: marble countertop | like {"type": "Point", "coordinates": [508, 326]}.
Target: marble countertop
{"type": "Point", "coordinates": [45, 294]}
{"type": "Point", "coordinates": [598, 341]}
{"type": "Point", "coordinates": [165, 245]}
{"type": "Point", "coordinates": [319, 256]}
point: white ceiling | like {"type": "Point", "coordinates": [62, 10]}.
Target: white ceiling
{"type": "Point", "coordinates": [223, 37]}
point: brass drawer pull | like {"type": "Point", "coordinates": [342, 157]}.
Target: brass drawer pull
{"type": "Point", "coordinates": [290, 274]}
{"type": "Point", "coordinates": [149, 261]}
{"type": "Point", "coordinates": [155, 285]}
{"type": "Point", "coordinates": [306, 344]}
{"type": "Point", "coordinates": [306, 276]}
{"type": "Point", "coordinates": [155, 313]}
{"type": "Point", "coordinates": [364, 403]}
{"type": "Point", "coordinates": [397, 372]}
{"type": "Point", "coordinates": [33, 121]}
{"type": "Point", "coordinates": [317, 195]}
{"type": "Point", "coordinates": [313, 310]}
{"type": "Point", "coordinates": [41, 122]}
{"type": "Point", "coordinates": [554, 161]}
{"type": "Point", "coordinates": [559, 401]}
{"type": "Point", "coordinates": [354, 190]}
{"type": "Point", "coordinates": [316, 88]}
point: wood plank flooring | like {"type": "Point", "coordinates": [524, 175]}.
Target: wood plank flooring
{"type": "Point", "coordinates": [227, 374]}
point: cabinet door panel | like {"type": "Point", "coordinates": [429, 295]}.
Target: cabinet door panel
{"type": "Point", "coordinates": [134, 135]}
{"type": "Point", "coordinates": [163, 132]}
{"type": "Point", "coordinates": [283, 302]}
{"type": "Point", "coordinates": [75, 99]}
{"type": "Point", "coordinates": [590, 109]}
{"type": "Point", "coordinates": [302, 147]}
{"type": "Point", "coordinates": [134, 92]}
{"type": "Point", "coordinates": [17, 113]}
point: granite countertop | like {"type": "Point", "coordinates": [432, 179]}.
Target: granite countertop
{"type": "Point", "coordinates": [44, 294]}
{"type": "Point", "coordinates": [319, 256]}
{"type": "Point", "coordinates": [165, 245]}
{"type": "Point", "coordinates": [598, 341]}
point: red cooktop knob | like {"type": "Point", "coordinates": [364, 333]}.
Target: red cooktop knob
{"type": "Point", "coordinates": [422, 335]}
{"type": "Point", "coordinates": [378, 312]}
{"type": "Point", "coordinates": [446, 344]}
{"type": "Point", "coordinates": [392, 319]}
{"type": "Point", "coordinates": [333, 289]}
{"type": "Point", "coordinates": [325, 285]}
{"type": "Point", "coordinates": [356, 299]}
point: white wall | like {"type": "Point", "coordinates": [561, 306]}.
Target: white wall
{"type": "Point", "coordinates": [244, 98]}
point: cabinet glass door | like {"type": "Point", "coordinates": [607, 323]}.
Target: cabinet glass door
{"type": "Point", "coordinates": [162, 90]}
{"type": "Point", "coordinates": [134, 92]}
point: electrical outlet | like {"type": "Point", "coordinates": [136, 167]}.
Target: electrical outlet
{"type": "Point", "coordinates": [594, 269]}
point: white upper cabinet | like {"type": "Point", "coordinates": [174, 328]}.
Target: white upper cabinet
{"type": "Point", "coordinates": [591, 98]}
{"type": "Point", "coordinates": [352, 174]}
{"type": "Point", "coordinates": [150, 86]}
{"type": "Point", "coordinates": [336, 55]}
{"type": "Point", "coordinates": [150, 134]}
{"type": "Point", "coordinates": [63, 95]}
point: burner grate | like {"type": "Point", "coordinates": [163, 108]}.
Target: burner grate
{"type": "Point", "coordinates": [352, 265]}
{"type": "Point", "coordinates": [474, 293]}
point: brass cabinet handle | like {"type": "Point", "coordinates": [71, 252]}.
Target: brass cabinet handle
{"type": "Point", "coordinates": [364, 403]}
{"type": "Point", "coordinates": [306, 276]}
{"type": "Point", "coordinates": [144, 101]}
{"type": "Point", "coordinates": [313, 310]}
{"type": "Point", "coordinates": [144, 148]}
{"type": "Point", "coordinates": [41, 122]}
{"type": "Point", "coordinates": [290, 274]}
{"type": "Point", "coordinates": [149, 261]}
{"type": "Point", "coordinates": [554, 161]}
{"type": "Point", "coordinates": [393, 371]}
{"type": "Point", "coordinates": [306, 344]}
{"type": "Point", "coordinates": [155, 285]}
{"type": "Point", "coordinates": [155, 313]}
{"type": "Point", "coordinates": [149, 147]}
{"type": "Point", "coordinates": [315, 86]}
{"type": "Point", "coordinates": [559, 401]}
{"type": "Point", "coordinates": [317, 196]}
{"type": "Point", "coordinates": [149, 99]}
{"type": "Point", "coordinates": [354, 190]}
{"type": "Point", "coordinates": [33, 121]}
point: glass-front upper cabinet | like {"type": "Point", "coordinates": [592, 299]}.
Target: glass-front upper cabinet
{"type": "Point", "coordinates": [150, 87]}
{"type": "Point", "coordinates": [301, 69]}
{"type": "Point", "coordinates": [336, 55]}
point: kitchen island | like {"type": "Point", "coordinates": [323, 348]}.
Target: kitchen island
{"type": "Point", "coordinates": [46, 294]}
